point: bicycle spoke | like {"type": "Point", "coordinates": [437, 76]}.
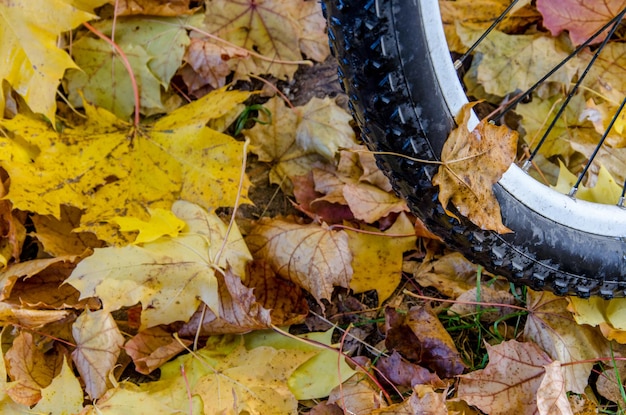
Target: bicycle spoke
{"type": "Point", "coordinates": [574, 189]}
{"type": "Point", "coordinates": [459, 62]}
{"type": "Point", "coordinates": [572, 92]}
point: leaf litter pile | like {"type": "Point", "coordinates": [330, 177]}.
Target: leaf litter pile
{"type": "Point", "coordinates": [183, 232]}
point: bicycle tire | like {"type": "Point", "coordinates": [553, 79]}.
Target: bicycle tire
{"type": "Point", "coordinates": [396, 94]}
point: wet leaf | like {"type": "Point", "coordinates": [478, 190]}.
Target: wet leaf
{"type": "Point", "coordinates": [472, 163]}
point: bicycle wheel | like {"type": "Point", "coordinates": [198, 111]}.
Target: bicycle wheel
{"type": "Point", "coordinates": [404, 92]}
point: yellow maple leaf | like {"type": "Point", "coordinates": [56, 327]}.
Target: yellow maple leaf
{"type": "Point", "coordinates": [377, 259]}
{"type": "Point", "coordinates": [32, 62]}
{"type": "Point", "coordinates": [64, 395]}
{"type": "Point", "coordinates": [170, 277]}
{"type": "Point", "coordinates": [110, 169]}
{"type": "Point", "coordinates": [162, 222]}
{"type": "Point", "coordinates": [472, 162]}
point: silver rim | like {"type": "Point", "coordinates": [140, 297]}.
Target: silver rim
{"type": "Point", "coordinates": [605, 220]}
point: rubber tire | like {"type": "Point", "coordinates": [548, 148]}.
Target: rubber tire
{"type": "Point", "coordinates": [398, 105]}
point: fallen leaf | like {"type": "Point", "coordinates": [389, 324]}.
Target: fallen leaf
{"type": "Point", "coordinates": [253, 381]}
{"type": "Point", "coordinates": [369, 203]}
{"type": "Point", "coordinates": [424, 400]}
{"type": "Point", "coordinates": [110, 169]}
{"type": "Point", "coordinates": [510, 381]}
{"type": "Point", "coordinates": [478, 15]}
{"type": "Point", "coordinates": [313, 257]}
{"type": "Point", "coordinates": [609, 381]}
{"type": "Point", "coordinates": [268, 29]}
{"type": "Point", "coordinates": [209, 63]}
{"type": "Point", "coordinates": [152, 7]}
{"type": "Point", "coordinates": [170, 277]}
{"type": "Point", "coordinates": [436, 348]}
{"type": "Point", "coordinates": [527, 59]}
{"type": "Point", "coordinates": [152, 347]}
{"type": "Point", "coordinates": [551, 394]}
{"type": "Point", "coordinates": [162, 223]}
{"type": "Point", "coordinates": [377, 257]}
{"type": "Point", "coordinates": [274, 141]}
{"type": "Point", "coordinates": [581, 19]}
{"type": "Point", "coordinates": [357, 396]}
{"type": "Point", "coordinates": [98, 345]}
{"type": "Point", "coordinates": [494, 309]}
{"type": "Point", "coordinates": [239, 311]}
{"type": "Point", "coordinates": [472, 163]}
{"type": "Point", "coordinates": [64, 395]}
{"type": "Point", "coordinates": [324, 127]}
{"type": "Point", "coordinates": [315, 378]}
{"type": "Point", "coordinates": [405, 375]}
{"type": "Point", "coordinates": [153, 47]}
{"type": "Point", "coordinates": [33, 64]}
{"type": "Point", "coordinates": [57, 235]}
{"type": "Point", "coordinates": [452, 274]}
{"type": "Point", "coordinates": [30, 368]}
{"type": "Point", "coordinates": [310, 203]}
{"type": "Point", "coordinates": [313, 38]}
{"type": "Point", "coordinates": [128, 398]}
{"type": "Point", "coordinates": [608, 315]}
{"type": "Point", "coordinates": [285, 300]}
{"type": "Point", "coordinates": [553, 328]}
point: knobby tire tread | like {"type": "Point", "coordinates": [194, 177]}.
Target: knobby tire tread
{"type": "Point", "coordinates": [385, 69]}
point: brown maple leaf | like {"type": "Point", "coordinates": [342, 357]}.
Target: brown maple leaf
{"type": "Point", "coordinates": [472, 162]}
{"type": "Point", "coordinates": [509, 383]}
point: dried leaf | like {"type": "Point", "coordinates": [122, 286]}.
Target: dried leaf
{"type": "Point", "coordinates": [552, 395]}
{"type": "Point", "coordinates": [152, 7]}
{"type": "Point", "coordinates": [438, 351]}
{"type": "Point", "coordinates": [404, 374]}
{"type": "Point", "coordinates": [553, 328]}
{"type": "Point", "coordinates": [33, 64]}
{"type": "Point", "coordinates": [452, 274]}
{"type": "Point", "coordinates": [57, 235]}
{"type": "Point", "coordinates": [285, 300]}
{"type": "Point", "coordinates": [510, 381]}
{"type": "Point", "coordinates": [609, 315]}
{"type": "Point", "coordinates": [424, 400]}
{"type": "Point", "coordinates": [311, 256]}
{"type": "Point", "coordinates": [64, 395]}
{"type": "Point", "coordinates": [357, 396]}
{"type": "Point", "coordinates": [30, 368]}
{"type": "Point", "coordinates": [170, 277]}
{"type": "Point", "coordinates": [581, 18]}
{"type": "Point", "coordinates": [239, 312]}
{"type": "Point", "coordinates": [98, 345]}
{"type": "Point", "coordinates": [152, 347]}
{"type": "Point", "coordinates": [324, 127]}
{"type": "Point", "coordinates": [495, 299]}
{"type": "Point", "coordinates": [472, 163]}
